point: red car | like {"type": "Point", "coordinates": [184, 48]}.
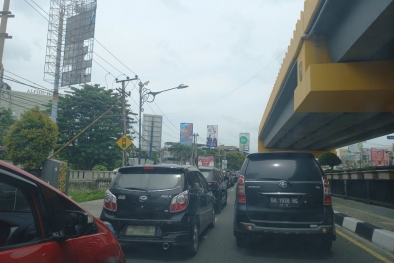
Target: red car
{"type": "Point", "coordinates": [38, 223]}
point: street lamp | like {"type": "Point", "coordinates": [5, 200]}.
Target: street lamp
{"type": "Point", "coordinates": [145, 95]}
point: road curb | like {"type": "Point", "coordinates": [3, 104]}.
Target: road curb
{"type": "Point", "coordinates": [380, 237]}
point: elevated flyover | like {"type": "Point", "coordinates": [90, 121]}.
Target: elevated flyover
{"type": "Point", "coordinates": [336, 83]}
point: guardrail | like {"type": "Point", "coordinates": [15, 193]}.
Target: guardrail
{"type": "Point", "coordinates": [376, 187]}
{"type": "Point", "coordinates": [90, 175]}
{"type": "Point", "coordinates": [89, 180]}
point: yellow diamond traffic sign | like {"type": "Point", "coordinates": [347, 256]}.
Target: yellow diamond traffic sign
{"type": "Point", "coordinates": [124, 142]}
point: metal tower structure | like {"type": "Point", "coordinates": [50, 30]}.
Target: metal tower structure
{"type": "Point", "coordinates": [70, 39]}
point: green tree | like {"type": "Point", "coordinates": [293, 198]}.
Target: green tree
{"type": "Point", "coordinates": [30, 139]}
{"type": "Point", "coordinates": [330, 159]}
{"type": "Point", "coordinates": [6, 120]}
{"type": "Point", "coordinates": [97, 145]}
{"type": "Point", "coordinates": [182, 152]}
{"type": "Point", "coordinates": [235, 160]}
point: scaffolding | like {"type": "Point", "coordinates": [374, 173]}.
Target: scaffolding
{"type": "Point", "coordinates": [70, 39]}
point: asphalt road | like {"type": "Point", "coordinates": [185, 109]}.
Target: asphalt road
{"type": "Point", "coordinates": [218, 245]}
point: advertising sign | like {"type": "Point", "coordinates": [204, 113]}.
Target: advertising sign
{"type": "Point", "coordinates": [224, 164]}
{"type": "Point", "coordinates": [212, 135]}
{"type": "Point", "coordinates": [151, 133]}
{"type": "Point", "coordinates": [244, 141]}
{"type": "Point", "coordinates": [207, 161]}
{"type": "Point", "coordinates": [186, 134]}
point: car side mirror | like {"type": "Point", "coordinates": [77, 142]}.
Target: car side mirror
{"type": "Point", "coordinates": [76, 223]}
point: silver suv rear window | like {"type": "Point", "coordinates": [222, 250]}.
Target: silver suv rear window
{"type": "Point", "coordinates": [293, 167]}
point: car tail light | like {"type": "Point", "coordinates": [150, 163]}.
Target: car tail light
{"type": "Point", "coordinates": [110, 201]}
{"type": "Point", "coordinates": [327, 191]}
{"type": "Point", "coordinates": [180, 202]}
{"type": "Point", "coordinates": [241, 198]}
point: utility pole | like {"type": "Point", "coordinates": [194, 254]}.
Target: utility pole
{"type": "Point", "coordinates": [5, 14]}
{"type": "Point", "coordinates": [56, 84]}
{"type": "Point", "coordinates": [194, 150]}
{"type": "Point", "coordinates": [123, 92]}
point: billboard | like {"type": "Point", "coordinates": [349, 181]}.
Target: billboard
{"type": "Point", "coordinates": [206, 161]}
{"type": "Point", "coordinates": [244, 141]}
{"type": "Point", "coordinates": [212, 135]}
{"type": "Point", "coordinates": [186, 134]}
{"type": "Point", "coordinates": [78, 45]}
{"type": "Point", "coordinates": [151, 133]}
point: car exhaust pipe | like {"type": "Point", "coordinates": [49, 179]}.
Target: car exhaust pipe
{"type": "Point", "coordinates": [166, 246]}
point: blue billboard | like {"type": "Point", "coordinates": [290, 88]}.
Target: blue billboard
{"type": "Point", "coordinates": [186, 134]}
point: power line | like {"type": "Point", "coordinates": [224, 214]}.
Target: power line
{"type": "Point", "coordinates": [114, 56]}
{"type": "Point", "coordinates": [28, 80]}
{"type": "Point", "coordinates": [36, 10]}
{"type": "Point", "coordinates": [108, 63]}
{"type": "Point", "coordinates": [243, 84]}
{"type": "Point", "coordinates": [39, 7]}
{"type": "Point", "coordinates": [165, 116]}
{"type": "Point", "coordinates": [156, 114]}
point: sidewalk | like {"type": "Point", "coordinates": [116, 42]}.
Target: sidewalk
{"type": "Point", "coordinates": [372, 222]}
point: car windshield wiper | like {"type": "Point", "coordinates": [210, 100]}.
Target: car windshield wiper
{"type": "Point", "coordinates": [134, 188]}
{"type": "Point", "coordinates": [276, 179]}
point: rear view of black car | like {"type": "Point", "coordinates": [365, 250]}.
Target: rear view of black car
{"type": "Point", "coordinates": [217, 184]}
{"type": "Point", "coordinates": [283, 193]}
{"type": "Point", "coordinates": [163, 204]}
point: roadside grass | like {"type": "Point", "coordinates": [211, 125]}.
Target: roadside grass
{"type": "Point", "coordinates": [86, 195]}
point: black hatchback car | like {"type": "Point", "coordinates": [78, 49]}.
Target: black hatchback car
{"type": "Point", "coordinates": [163, 204]}
{"type": "Point", "coordinates": [283, 193]}
{"type": "Point", "coordinates": [218, 185]}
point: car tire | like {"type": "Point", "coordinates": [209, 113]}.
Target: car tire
{"type": "Point", "coordinates": [213, 222]}
{"type": "Point", "coordinates": [326, 245]}
{"type": "Point", "coordinates": [219, 205]}
{"type": "Point", "coordinates": [242, 242]}
{"type": "Point", "coordinates": [192, 249]}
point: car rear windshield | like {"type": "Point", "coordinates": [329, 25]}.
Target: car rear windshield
{"type": "Point", "coordinates": [150, 178]}
{"type": "Point", "coordinates": [293, 167]}
{"type": "Point", "coordinates": [208, 174]}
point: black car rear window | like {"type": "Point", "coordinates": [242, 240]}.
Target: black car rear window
{"type": "Point", "coordinates": [208, 174]}
{"type": "Point", "coordinates": [150, 178]}
{"type": "Point", "coordinates": [293, 167]}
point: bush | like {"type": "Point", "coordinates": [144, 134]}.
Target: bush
{"type": "Point", "coordinates": [100, 167]}
{"type": "Point", "coordinates": [83, 196]}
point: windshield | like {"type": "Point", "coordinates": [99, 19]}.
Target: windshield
{"type": "Point", "coordinates": [208, 174]}
{"type": "Point", "coordinates": [157, 179]}
{"type": "Point", "coordinates": [299, 168]}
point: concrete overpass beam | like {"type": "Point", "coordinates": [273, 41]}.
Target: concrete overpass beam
{"type": "Point", "coordinates": [350, 87]}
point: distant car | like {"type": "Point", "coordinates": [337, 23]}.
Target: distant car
{"type": "Point", "coordinates": [38, 223]}
{"type": "Point", "coordinates": [283, 193]}
{"type": "Point", "coordinates": [218, 186]}
{"type": "Point", "coordinates": [160, 204]}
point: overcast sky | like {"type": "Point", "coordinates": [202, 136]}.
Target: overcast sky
{"type": "Point", "coordinates": [229, 52]}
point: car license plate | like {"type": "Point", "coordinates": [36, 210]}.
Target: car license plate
{"type": "Point", "coordinates": [284, 202]}
{"type": "Point", "coordinates": [140, 230]}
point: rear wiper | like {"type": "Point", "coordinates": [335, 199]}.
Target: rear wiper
{"type": "Point", "coordinates": [276, 179]}
{"type": "Point", "coordinates": [134, 188]}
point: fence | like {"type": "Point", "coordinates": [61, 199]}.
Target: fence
{"type": "Point", "coordinates": [365, 187]}
{"type": "Point", "coordinates": [90, 180]}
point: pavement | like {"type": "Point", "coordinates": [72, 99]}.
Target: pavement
{"type": "Point", "coordinates": [371, 222]}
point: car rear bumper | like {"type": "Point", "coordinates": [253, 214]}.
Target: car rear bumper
{"type": "Point", "coordinates": [176, 231]}
{"type": "Point", "coordinates": [252, 228]}
{"type": "Point", "coordinates": [244, 227]}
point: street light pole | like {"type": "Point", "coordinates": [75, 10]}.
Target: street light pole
{"type": "Point", "coordinates": [124, 161]}
{"type": "Point", "coordinates": [144, 97]}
